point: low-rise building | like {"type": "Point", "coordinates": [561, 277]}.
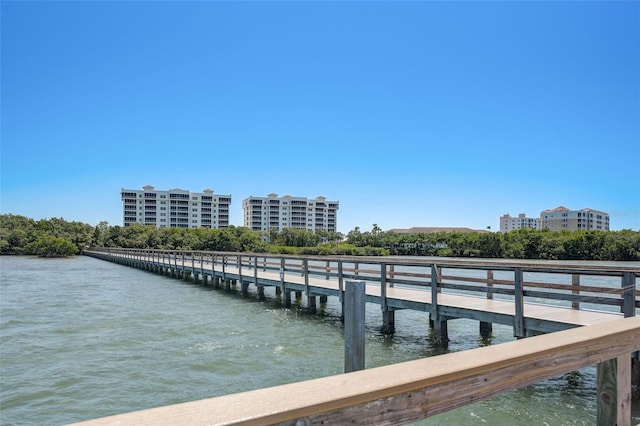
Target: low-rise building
{"type": "Point", "coordinates": [175, 208]}
{"type": "Point", "coordinates": [278, 213]}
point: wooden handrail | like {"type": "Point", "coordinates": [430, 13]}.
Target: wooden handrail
{"type": "Point", "coordinates": [413, 390]}
{"type": "Point", "coordinates": [576, 294]}
{"type": "Point", "coordinates": [565, 266]}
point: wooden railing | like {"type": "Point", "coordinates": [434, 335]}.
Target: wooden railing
{"type": "Point", "coordinates": [573, 284]}
{"type": "Point", "coordinates": [414, 390]}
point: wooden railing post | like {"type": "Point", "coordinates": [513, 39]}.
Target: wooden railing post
{"type": "Point", "coordinates": [486, 328]}
{"type": "Point", "coordinates": [628, 294]}
{"type": "Point", "coordinates": [214, 280]}
{"type": "Point", "coordinates": [383, 287]}
{"type": "Point", "coordinates": [203, 277]}
{"type": "Point", "coordinates": [613, 392]}
{"type": "Point", "coordinates": [282, 275]}
{"type": "Point", "coordinates": [255, 270]}
{"type": "Point", "coordinates": [224, 273]}
{"type": "Point", "coordinates": [305, 273]}
{"type": "Point", "coordinates": [439, 324]}
{"type": "Point", "coordinates": [388, 315]}
{"type": "Point", "coordinates": [311, 300]}
{"type": "Point", "coordinates": [255, 278]}
{"type": "Point", "coordinates": [341, 289]}
{"type": "Point", "coordinates": [354, 319]}
{"type": "Point", "coordinates": [518, 294]}
{"type": "Point", "coordinates": [575, 282]}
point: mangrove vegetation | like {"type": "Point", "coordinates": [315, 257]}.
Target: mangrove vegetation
{"type": "Point", "coordinates": [20, 235]}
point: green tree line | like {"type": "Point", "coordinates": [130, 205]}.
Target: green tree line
{"type": "Point", "coordinates": [20, 235]}
{"type": "Point", "coordinates": [54, 237]}
{"type": "Point", "coordinates": [57, 237]}
{"type": "Point", "coordinates": [518, 244]}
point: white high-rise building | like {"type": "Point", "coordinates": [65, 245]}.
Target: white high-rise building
{"type": "Point", "coordinates": [273, 212]}
{"type": "Point", "coordinates": [562, 218]}
{"type": "Point", "coordinates": [508, 223]}
{"type": "Point", "coordinates": [175, 208]}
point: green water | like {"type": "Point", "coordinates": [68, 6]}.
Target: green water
{"type": "Point", "coordinates": [84, 338]}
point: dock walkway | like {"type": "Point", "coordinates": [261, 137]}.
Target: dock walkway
{"type": "Point", "coordinates": [460, 288]}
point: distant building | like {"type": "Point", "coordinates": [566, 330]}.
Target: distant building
{"type": "Point", "coordinates": [508, 223]}
{"type": "Point", "coordinates": [430, 230]}
{"type": "Point", "coordinates": [175, 208]}
{"type": "Point", "coordinates": [562, 218]}
{"type": "Point", "coordinates": [273, 212]}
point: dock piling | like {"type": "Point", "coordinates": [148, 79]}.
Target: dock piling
{"type": "Point", "coordinates": [354, 319]}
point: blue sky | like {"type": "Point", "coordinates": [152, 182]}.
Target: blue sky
{"type": "Point", "coordinates": [416, 113]}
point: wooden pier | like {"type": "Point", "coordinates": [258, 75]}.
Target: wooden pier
{"type": "Point", "coordinates": [532, 297]}
{"type": "Point", "coordinates": [512, 293]}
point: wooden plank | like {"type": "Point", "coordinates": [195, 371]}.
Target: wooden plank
{"type": "Point", "coordinates": [406, 391]}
